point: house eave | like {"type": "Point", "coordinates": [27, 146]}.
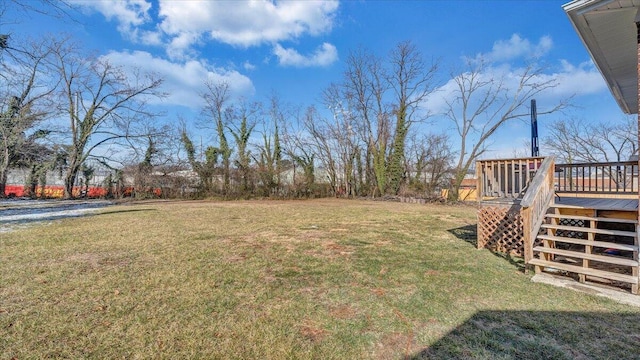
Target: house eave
{"type": "Point", "coordinates": [608, 31]}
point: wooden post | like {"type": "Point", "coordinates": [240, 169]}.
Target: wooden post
{"type": "Point", "coordinates": [479, 195]}
{"type": "Point", "coordinates": [551, 179]}
{"type": "Point", "coordinates": [479, 182]}
{"type": "Point", "coordinates": [588, 249]}
{"type": "Point", "coordinates": [526, 233]}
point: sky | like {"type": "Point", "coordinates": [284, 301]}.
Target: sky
{"type": "Point", "coordinates": [295, 49]}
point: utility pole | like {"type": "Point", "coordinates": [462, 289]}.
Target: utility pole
{"type": "Point", "coordinates": [535, 149]}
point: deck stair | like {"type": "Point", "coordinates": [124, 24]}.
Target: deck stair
{"type": "Point", "coordinates": [595, 247]}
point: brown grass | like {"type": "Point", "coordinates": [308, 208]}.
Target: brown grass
{"type": "Point", "coordinates": [325, 279]}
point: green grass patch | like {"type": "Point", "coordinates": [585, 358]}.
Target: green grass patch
{"type": "Point", "coordinates": [324, 279]}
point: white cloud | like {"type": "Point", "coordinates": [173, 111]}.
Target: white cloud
{"type": "Point", "coordinates": [248, 66]}
{"type": "Point", "coordinates": [246, 23]}
{"type": "Point", "coordinates": [571, 80]}
{"type": "Point", "coordinates": [127, 13]}
{"type": "Point", "coordinates": [183, 81]}
{"type": "Point", "coordinates": [148, 37]}
{"type": "Point", "coordinates": [583, 79]}
{"type": "Point", "coordinates": [324, 55]}
{"type": "Point", "coordinates": [178, 48]}
{"type": "Point", "coordinates": [518, 47]}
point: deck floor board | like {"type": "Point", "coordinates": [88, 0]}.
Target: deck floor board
{"type": "Point", "coordinates": [598, 203]}
{"type": "Point", "coordinates": [578, 203]}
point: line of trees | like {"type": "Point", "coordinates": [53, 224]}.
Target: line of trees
{"type": "Point", "coordinates": [372, 139]}
{"type": "Point", "coordinates": [575, 141]}
{"type": "Point", "coordinates": [62, 111]}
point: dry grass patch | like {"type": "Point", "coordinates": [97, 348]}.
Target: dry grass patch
{"type": "Point", "coordinates": [325, 279]}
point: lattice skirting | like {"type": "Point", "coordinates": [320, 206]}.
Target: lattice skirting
{"type": "Point", "coordinates": [500, 229]}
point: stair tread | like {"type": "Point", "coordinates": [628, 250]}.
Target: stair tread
{"type": "Point", "coordinates": [589, 229]}
{"type": "Point", "coordinates": [587, 271]}
{"type": "Point", "coordinates": [602, 244]}
{"type": "Point", "coordinates": [594, 257]}
{"type": "Point", "coordinates": [592, 218]}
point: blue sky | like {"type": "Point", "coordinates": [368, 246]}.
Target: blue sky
{"type": "Point", "coordinates": [296, 49]}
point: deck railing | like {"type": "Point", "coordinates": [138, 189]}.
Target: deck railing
{"type": "Point", "coordinates": [505, 178]}
{"type": "Point", "coordinates": [597, 178]}
{"type": "Point", "coordinates": [535, 202]}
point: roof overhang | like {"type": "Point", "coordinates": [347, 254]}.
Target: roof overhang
{"type": "Point", "coordinates": [608, 30]}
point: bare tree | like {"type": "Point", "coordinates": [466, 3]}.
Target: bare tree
{"type": "Point", "coordinates": [102, 102]}
{"type": "Point", "coordinates": [573, 140]}
{"type": "Point", "coordinates": [429, 161]}
{"type": "Point", "coordinates": [13, 12]}
{"type": "Point", "coordinates": [269, 158]}
{"type": "Point", "coordinates": [342, 139]}
{"type": "Point", "coordinates": [410, 78]}
{"type": "Point", "coordinates": [25, 101]}
{"type": "Point", "coordinates": [365, 85]}
{"type": "Point", "coordinates": [242, 121]}
{"type": "Point", "coordinates": [302, 143]}
{"type": "Point", "coordinates": [217, 100]}
{"type": "Point", "coordinates": [53, 8]}
{"type": "Point", "coordinates": [374, 108]}
{"type": "Point", "coordinates": [482, 103]}
{"type": "Point", "coordinates": [167, 160]}
{"type": "Point", "coordinates": [205, 168]}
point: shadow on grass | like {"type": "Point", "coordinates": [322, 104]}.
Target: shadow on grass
{"type": "Point", "coordinates": [516, 261]}
{"type": "Point", "coordinates": [469, 234]}
{"type": "Point", "coordinates": [540, 335]}
{"type": "Point", "coordinates": [123, 211]}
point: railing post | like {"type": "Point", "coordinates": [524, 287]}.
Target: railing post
{"type": "Point", "coordinates": [526, 233]}
{"type": "Point", "coordinates": [479, 182]}
{"type": "Point", "coordinates": [551, 177]}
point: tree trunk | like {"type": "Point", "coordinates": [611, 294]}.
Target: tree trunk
{"type": "Point", "coordinates": [70, 177]}
{"type": "Point", "coordinates": [226, 164]}
{"type": "Point", "coordinates": [3, 184]}
{"type": "Point", "coordinates": [4, 170]}
{"type": "Point", "coordinates": [33, 182]}
{"type": "Point", "coordinates": [454, 192]}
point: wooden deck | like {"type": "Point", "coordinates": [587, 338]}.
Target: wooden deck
{"type": "Point", "coordinates": [588, 228]}
{"type": "Point", "coordinates": [598, 203]}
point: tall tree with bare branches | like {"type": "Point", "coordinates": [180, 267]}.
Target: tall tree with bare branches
{"type": "Point", "coordinates": [25, 101]}
{"type": "Point", "coordinates": [410, 79]}
{"type": "Point", "coordinates": [269, 153]}
{"type": "Point", "coordinates": [216, 101]}
{"type": "Point", "coordinates": [242, 121]}
{"type": "Point", "coordinates": [365, 85]}
{"type": "Point", "coordinates": [102, 101]}
{"type": "Point", "coordinates": [482, 102]}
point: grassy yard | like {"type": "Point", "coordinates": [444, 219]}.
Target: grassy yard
{"type": "Point", "coordinates": [324, 279]}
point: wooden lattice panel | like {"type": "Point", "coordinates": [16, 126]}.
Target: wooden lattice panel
{"type": "Point", "coordinates": [572, 234]}
{"type": "Point", "coordinates": [500, 229]}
